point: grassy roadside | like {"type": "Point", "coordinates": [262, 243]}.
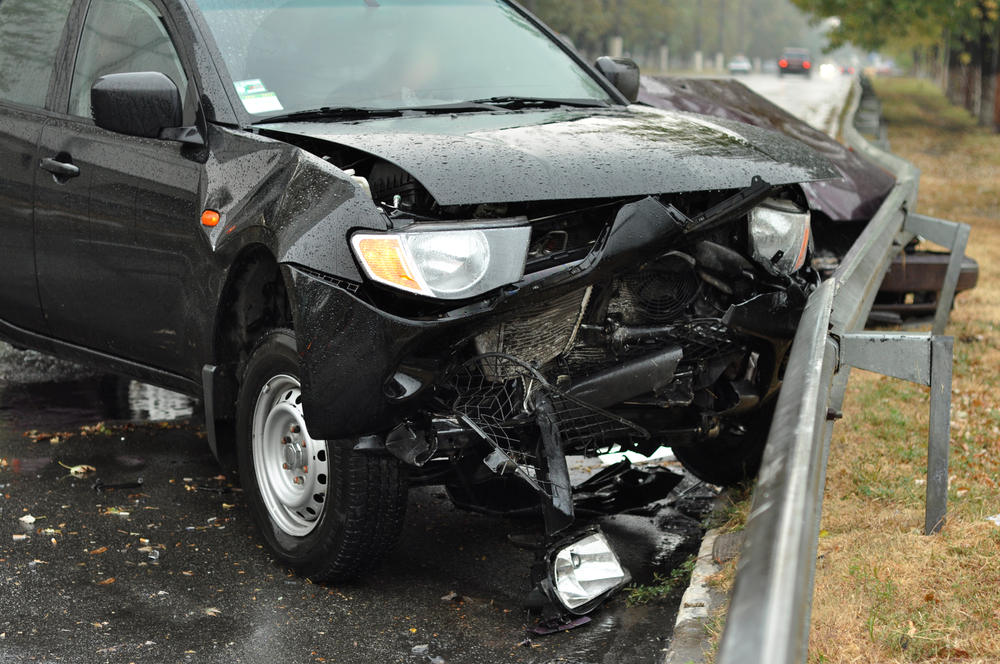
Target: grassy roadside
{"type": "Point", "coordinates": [884, 592]}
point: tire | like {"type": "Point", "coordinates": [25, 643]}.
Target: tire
{"type": "Point", "coordinates": [732, 457]}
{"type": "Point", "coordinates": [324, 510]}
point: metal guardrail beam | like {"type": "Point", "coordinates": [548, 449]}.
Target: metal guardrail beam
{"type": "Point", "coordinates": [770, 608]}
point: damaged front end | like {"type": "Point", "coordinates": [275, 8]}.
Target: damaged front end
{"type": "Point", "coordinates": [615, 325]}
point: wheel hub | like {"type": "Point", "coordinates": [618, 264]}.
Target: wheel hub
{"type": "Point", "coordinates": [291, 467]}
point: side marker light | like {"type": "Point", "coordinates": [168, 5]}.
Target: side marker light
{"type": "Point", "coordinates": [209, 218]}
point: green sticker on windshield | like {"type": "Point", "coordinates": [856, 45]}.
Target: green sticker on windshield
{"type": "Point", "coordinates": [256, 98]}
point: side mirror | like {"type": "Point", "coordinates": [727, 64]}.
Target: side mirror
{"type": "Point", "coordinates": [623, 74]}
{"type": "Point", "coordinates": [144, 104]}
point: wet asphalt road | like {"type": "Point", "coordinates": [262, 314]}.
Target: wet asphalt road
{"type": "Point", "coordinates": [171, 571]}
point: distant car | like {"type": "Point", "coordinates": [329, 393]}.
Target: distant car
{"type": "Point", "coordinates": [795, 61]}
{"type": "Point", "coordinates": [740, 64]}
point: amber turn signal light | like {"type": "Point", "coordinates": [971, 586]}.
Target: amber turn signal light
{"type": "Point", "coordinates": [209, 218]}
{"type": "Point", "coordinates": [384, 258]}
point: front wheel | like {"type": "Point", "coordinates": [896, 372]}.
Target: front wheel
{"type": "Point", "coordinates": [735, 455]}
{"type": "Point", "coordinates": [326, 511]}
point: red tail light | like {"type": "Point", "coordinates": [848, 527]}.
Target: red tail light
{"type": "Point", "coordinates": [782, 63]}
{"type": "Point", "coordinates": [805, 65]}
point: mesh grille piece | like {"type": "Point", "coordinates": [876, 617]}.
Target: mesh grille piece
{"type": "Point", "coordinates": [499, 410]}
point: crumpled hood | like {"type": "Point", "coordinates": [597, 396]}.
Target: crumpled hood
{"type": "Point", "coordinates": [569, 154]}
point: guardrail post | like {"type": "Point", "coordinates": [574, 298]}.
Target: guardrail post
{"type": "Point", "coordinates": [953, 236]}
{"type": "Point", "coordinates": [939, 433]}
{"type": "Point", "coordinates": [925, 360]}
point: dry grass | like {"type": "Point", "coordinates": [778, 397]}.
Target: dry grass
{"type": "Point", "coordinates": [884, 591]}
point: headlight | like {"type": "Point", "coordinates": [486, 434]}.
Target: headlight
{"type": "Point", "coordinates": [779, 236]}
{"type": "Point", "coordinates": [442, 262]}
{"type": "Point", "coordinates": [583, 572]}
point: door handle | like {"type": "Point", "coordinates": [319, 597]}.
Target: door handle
{"type": "Point", "coordinates": [60, 168]}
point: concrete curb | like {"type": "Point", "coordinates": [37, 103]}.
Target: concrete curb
{"type": "Point", "coordinates": [700, 601]}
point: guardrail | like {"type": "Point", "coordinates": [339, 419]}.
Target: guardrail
{"type": "Point", "coordinates": [770, 607]}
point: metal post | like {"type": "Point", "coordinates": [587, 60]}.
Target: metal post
{"type": "Point", "coordinates": [925, 360]}
{"type": "Point", "coordinates": [939, 434]}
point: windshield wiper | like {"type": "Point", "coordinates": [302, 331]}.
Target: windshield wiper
{"type": "Point", "coordinates": [517, 103]}
{"type": "Point", "coordinates": [339, 113]}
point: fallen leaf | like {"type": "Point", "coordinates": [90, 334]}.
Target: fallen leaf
{"type": "Point", "coordinates": [227, 506]}
{"type": "Point", "coordinates": [98, 551]}
{"type": "Point", "coordinates": [27, 518]}
{"type": "Point", "coordinates": [80, 470]}
{"type": "Point", "coordinates": [188, 573]}
{"type": "Point", "coordinates": [952, 653]}
{"type": "Point", "coordinates": [106, 582]}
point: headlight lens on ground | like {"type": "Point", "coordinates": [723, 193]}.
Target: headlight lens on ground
{"type": "Point", "coordinates": [779, 236]}
{"type": "Point", "coordinates": [444, 263]}
{"type": "Point", "coordinates": [585, 571]}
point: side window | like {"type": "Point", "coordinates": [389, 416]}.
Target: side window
{"type": "Point", "coordinates": [122, 36]}
{"type": "Point", "coordinates": [30, 31]}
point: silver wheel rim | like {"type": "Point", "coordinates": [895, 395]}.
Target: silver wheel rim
{"type": "Point", "coordinates": [291, 467]}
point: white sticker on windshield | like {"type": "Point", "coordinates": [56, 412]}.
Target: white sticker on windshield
{"type": "Point", "coordinates": [256, 98]}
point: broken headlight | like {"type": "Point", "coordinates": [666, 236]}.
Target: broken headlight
{"type": "Point", "coordinates": [445, 261]}
{"type": "Point", "coordinates": [583, 571]}
{"type": "Point", "coordinates": [779, 236]}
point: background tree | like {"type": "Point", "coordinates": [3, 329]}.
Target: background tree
{"type": "Point", "coordinates": [756, 28]}
{"type": "Point", "coordinates": [961, 34]}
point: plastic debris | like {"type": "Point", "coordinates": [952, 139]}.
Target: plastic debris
{"type": "Point", "coordinates": [20, 538]}
{"type": "Point", "coordinates": [558, 625]}
{"type": "Point", "coordinates": [27, 518]}
{"type": "Point", "coordinates": [421, 649]}
{"type": "Point", "coordinates": [995, 519]}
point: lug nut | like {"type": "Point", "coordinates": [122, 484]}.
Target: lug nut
{"type": "Point", "coordinates": [303, 443]}
{"type": "Point", "coordinates": [295, 428]}
{"type": "Point", "coordinates": [297, 480]}
{"type": "Point", "coordinates": [305, 469]}
{"type": "Point", "coordinates": [285, 440]}
{"type": "Point", "coordinates": [285, 466]}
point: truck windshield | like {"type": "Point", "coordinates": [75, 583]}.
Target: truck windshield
{"type": "Point", "coordinates": [286, 56]}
